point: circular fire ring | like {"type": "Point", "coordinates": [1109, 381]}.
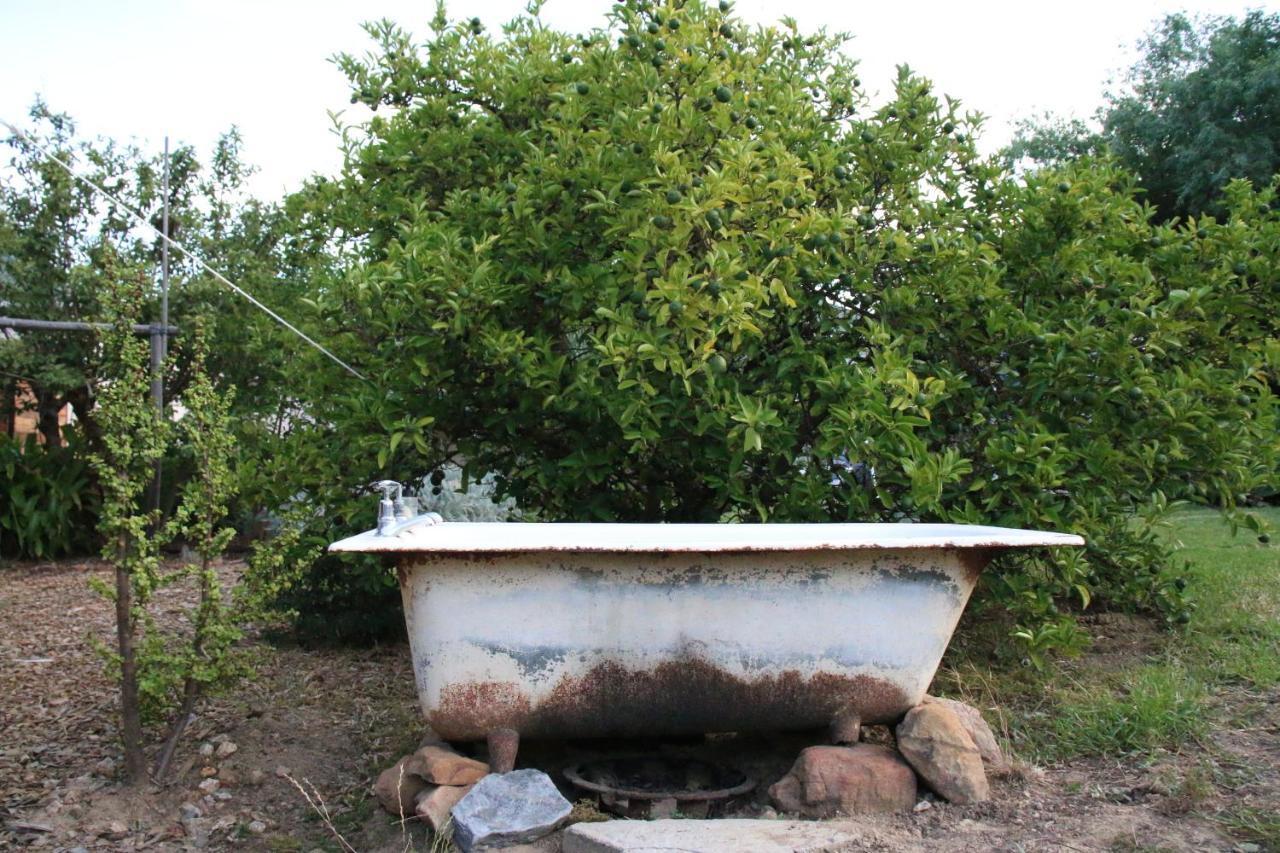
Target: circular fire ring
{"type": "Point", "coordinates": [651, 786]}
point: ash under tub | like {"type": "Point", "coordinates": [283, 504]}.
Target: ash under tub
{"type": "Point", "coordinates": [600, 630]}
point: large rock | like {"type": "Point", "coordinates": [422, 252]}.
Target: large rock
{"type": "Point", "coordinates": [977, 729]}
{"type": "Point", "coordinates": [830, 780]}
{"type": "Point", "coordinates": [433, 804]}
{"type": "Point", "coordinates": [508, 808]}
{"type": "Point", "coordinates": [708, 836]}
{"type": "Point", "coordinates": [932, 738]}
{"type": "Point", "coordinates": [440, 765]}
{"type": "Point", "coordinates": [397, 787]}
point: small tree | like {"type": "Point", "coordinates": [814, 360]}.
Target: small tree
{"type": "Point", "coordinates": [188, 668]}
{"type": "Point", "coordinates": [133, 439]}
{"type": "Point", "coordinates": [162, 674]}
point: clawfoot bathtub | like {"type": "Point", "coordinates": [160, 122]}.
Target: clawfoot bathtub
{"type": "Point", "coordinates": [585, 630]}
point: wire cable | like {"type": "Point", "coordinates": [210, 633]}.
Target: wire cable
{"type": "Point", "coordinates": [183, 249]}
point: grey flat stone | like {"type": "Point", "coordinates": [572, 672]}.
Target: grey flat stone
{"type": "Point", "coordinates": [705, 836]}
{"type": "Point", "coordinates": [504, 809]}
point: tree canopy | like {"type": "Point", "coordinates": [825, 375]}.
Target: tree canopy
{"type": "Point", "coordinates": [678, 269]}
{"type": "Point", "coordinates": [1200, 107]}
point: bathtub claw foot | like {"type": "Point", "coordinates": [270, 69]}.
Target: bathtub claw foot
{"type": "Point", "coordinates": [503, 746]}
{"type": "Point", "coordinates": [846, 728]}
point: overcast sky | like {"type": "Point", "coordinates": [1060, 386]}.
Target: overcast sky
{"type": "Point", "coordinates": [140, 69]}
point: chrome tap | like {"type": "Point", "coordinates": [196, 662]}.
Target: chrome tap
{"type": "Point", "coordinates": [393, 511]}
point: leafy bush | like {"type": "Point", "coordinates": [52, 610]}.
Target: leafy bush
{"type": "Point", "coordinates": [680, 270]}
{"type": "Point", "coordinates": [50, 504]}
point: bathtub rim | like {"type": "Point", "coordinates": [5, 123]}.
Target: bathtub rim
{"type": "Point", "coordinates": [464, 537]}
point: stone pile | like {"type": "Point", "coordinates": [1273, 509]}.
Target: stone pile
{"type": "Point", "coordinates": [483, 809]}
{"type": "Point", "coordinates": [940, 745]}
{"type": "Point", "coordinates": [945, 745]}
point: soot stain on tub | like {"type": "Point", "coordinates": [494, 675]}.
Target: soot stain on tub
{"type": "Point", "coordinates": [678, 697]}
{"type": "Point", "coordinates": [534, 661]}
{"type": "Point", "coordinates": [916, 576]}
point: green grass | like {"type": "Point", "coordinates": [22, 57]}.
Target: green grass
{"type": "Point", "coordinates": [1261, 826]}
{"type": "Point", "coordinates": [1235, 582]}
{"type": "Point", "coordinates": [1168, 697]}
{"type": "Point", "coordinates": [1152, 707]}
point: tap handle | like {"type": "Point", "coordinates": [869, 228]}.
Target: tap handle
{"type": "Point", "coordinates": [390, 489]}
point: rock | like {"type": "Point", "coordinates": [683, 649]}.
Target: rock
{"type": "Point", "coordinates": [440, 765]}
{"type": "Point", "coordinates": [105, 768]}
{"type": "Point", "coordinates": [282, 772]}
{"type": "Point", "coordinates": [546, 844]}
{"type": "Point", "coordinates": [226, 749]}
{"type": "Point", "coordinates": [229, 777]}
{"type": "Point", "coordinates": [208, 772]}
{"type": "Point", "coordinates": [508, 808]}
{"type": "Point", "coordinates": [977, 729]}
{"type": "Point", "coordinates": [859, 779]}
{"type": "Point", "coordinates": [208, 786]}
{"type": "Point", "coordinates": [257, 827]}
{"type": "Point", "coordinates": [255, 778]}
{"type": "Point", "coordinates": [206, 749]}
{"type": "Point", "coordinates": [433, 803]}
{"type": "Point", "coordinates": [189, 811]}
{"type": "Point", "coordinates": [933, 740]}
{"type": "Point", "coordinates": [709, 836]}
{"type": "Point", "coordinates": [398, 786]}
{"type": "Point", "coordinates": [114, 831]}
{"type": "Point", "coordinates": [197, 834]}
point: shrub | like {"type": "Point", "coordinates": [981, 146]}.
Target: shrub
{"type": "Point", "coordinates": [681, 270]}
{"type": "Point", "coordinates": [50, 502]}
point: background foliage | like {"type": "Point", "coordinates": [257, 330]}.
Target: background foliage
{"type": "Point", "coordinates": [680, 270]}
{"type": "Point", "coordinates": [1196, 110]}
{"type": "Point", "coordinates": [50, 507]}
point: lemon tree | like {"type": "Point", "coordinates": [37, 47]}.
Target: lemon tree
{"type": "Point", "coordinates": [681, 269]}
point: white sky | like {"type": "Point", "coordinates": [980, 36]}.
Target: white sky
{"type": "Point", "coordinates": [140, 69]}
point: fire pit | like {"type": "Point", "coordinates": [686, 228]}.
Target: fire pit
{"type": "Point", "coordinates": [648, 787]}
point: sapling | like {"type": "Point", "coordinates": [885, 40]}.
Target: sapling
{"type": "Point", "coordinates": [163, 674]}
{"type": "Point", "coordinates": [205, 658]}
{"type": "Point", "coordinates": [133, 439]}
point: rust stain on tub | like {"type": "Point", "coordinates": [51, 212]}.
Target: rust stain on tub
{"type": "Point", "coordinates": [678, 697]}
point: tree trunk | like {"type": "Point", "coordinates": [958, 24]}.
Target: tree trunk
{"type": "Point", "coordinates": [190, 695]}
{"type": "Point", "coordinates": [135, 762]}
{"type": "Point", "coordinates": [191, 688]}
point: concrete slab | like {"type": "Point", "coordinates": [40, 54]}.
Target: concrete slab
{"type": "Point", "coordinates": [707, 836]}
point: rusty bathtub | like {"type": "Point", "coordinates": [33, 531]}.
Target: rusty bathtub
{"type": "Point", "coordinates": [584, 630]}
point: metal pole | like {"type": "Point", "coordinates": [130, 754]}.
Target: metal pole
{"type": "Point", "coordinates": [159, 334]}
{"type": "Point", "coordinates": [75, 326]}
{"type": "Point", "coordinates": [164, 257]}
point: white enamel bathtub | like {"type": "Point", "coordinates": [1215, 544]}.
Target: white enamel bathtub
{"type": "Point", "coordinates": [583, 630]}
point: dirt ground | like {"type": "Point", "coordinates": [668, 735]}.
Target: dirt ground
{"type": "Point", "coordinates": [295, 749]}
